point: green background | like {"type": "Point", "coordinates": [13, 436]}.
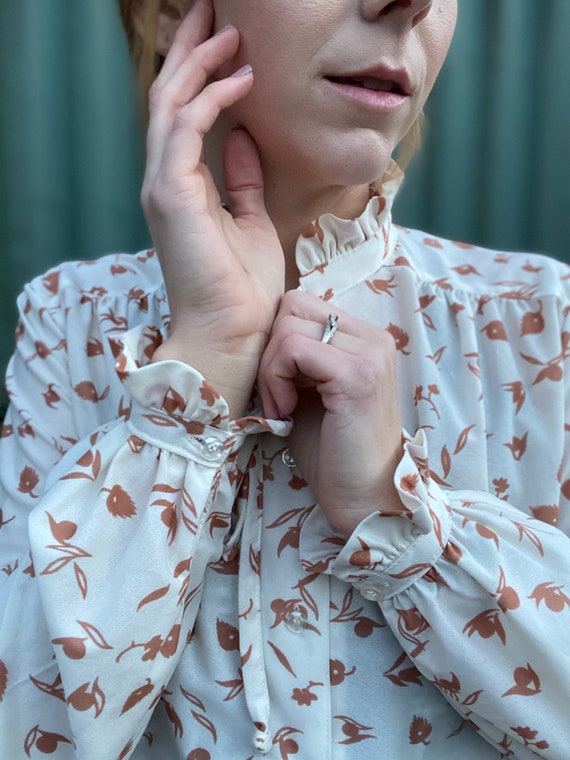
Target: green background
{"type": "Point", "coordinates": [493, 171]}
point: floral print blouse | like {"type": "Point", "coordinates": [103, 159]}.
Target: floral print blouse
{"type": "Point", "coordinates": [170, 588]}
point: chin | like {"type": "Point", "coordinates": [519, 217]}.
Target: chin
{"type": "Point", "coordinates": [355, 167]}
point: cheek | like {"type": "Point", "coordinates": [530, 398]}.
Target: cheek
{"type": "Point", "coordinates": [439, 38]}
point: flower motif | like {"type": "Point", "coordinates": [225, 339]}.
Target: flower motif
{"type": "Point", "coordinates": [29, 479]}
{"type": "Point", "coordinates": [305, 696]}
{"type": "Point", "coordinates": [420, 729]}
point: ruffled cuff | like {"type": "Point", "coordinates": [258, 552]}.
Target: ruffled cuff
{"type": "Point", "coordinates": [173, 406]}
{"type": "Point", "coordinates": [389, 550]}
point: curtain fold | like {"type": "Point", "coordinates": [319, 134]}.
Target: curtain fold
{"type": "Point", "coordinates": [494, 168]}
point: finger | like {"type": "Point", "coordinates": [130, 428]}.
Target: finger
{"type": "Point", "coordinates": [167, 98]}
{"type": "Point", "coordinates": [243, 178]}
{"type": "Point", "coordinates": [287, 326]}
{"type": "Point", "coordinates": [183, 149]}
{"type": "Point", "coordinates": [310, 307]}
{"type": "Point", "coordinates": [300, 356]}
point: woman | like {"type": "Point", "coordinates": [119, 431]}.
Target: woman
{"type": "Point", "coordinates": [290, 488]}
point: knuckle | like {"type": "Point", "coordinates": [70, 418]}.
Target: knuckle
{"type": "Point", "coordinates": [152, 200]}
{"type": "Point", "coordinates": [294, 302]}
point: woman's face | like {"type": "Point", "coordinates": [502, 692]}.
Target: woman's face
{"type": "Point", "coordinates": [315, 110]}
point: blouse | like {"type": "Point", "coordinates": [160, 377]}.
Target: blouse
{"type": "Point", "coordinates": [171, 589]}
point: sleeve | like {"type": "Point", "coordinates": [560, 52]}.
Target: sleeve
{"type": "Point", "coordinates": [121, 527]}
{"type": "Point", "coordinates": [475, 592]}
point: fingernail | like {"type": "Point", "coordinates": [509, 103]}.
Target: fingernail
{"type": "Point", "coordinates": [224, 29]}
{"type": "Point", "coordinates": [244, 71]}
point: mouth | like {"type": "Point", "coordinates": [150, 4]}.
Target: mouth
{"type": "Point", "coordinates": [373, 83]}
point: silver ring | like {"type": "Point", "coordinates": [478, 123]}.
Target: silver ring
{"type": "Point", "coordinates": [330, 328]}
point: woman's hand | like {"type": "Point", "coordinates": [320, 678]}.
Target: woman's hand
{"type": "Point", "coordinates": [224, 270]}
{"type": "Point", "coordinates": [347, 436]}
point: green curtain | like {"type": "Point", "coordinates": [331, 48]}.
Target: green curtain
{"type": "Point", "coordinates": [493, 169]}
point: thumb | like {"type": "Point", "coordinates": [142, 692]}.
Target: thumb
{"type": "Point", "coordinates": [243, 177]}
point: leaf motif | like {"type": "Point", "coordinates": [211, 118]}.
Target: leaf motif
{"type": "Point", "coordinates": [440, 481]}
{"type": "Point", "coordinates": [255, 560]}
{"type": "Point", "coordinates": [306, 596]}
{"type": "Point", "coordinates": [159, 420]}
{"type": "Point", "coordinates": [153, 596]}
{"type": "Point", "coordinates": [462, 440]}
{"type": "Point", "coordinates": [174, 719]}
{"type": "Point", "coordinates": [445, 461]}
{"type": "Point", "coordinates": [95, 635]}
{"type": "Point", "coordinates": [164, 488]}
{"type": "Point", "coordinates": [472, 698]}
{"type": "Point", "coordinates": [3, 679]}
{"type": "Point", "coordinates": [137, 696]}
{"type": "Point", "coordinates": [193, 699]}
{"type": "Point", "coordinates": [282, 659]}
{"type": "Point", "coordinates": [235, 687]}
{"type": "Point", "coordinates": [532, 537]}
{"type": "Point", "coordinates": [81, 579]}
{"type": "Point", "coordinates": [411, 570]}
{"type": "Point", "coordinates": [285, 517]}
{"type": "Point", "coordinates": [531, 360]}
{"type": "Point", "coordinates": [75, 475]}
{"type": "Point", "coordinates": [53, 689]}
{"type": "Point", "coordinates": [56, 565]}
{"type": "Point", "coordinates": [207, 723]}
{"type": "Point", "coordinates": [245, 657]}
{"type": "Point", "coordinates": [30, 740]}
{"type": "Point", "coordinates": [552, 372]}
{"type": "Point", "coordinates": [96, 468]}
{"type": "Point", "coordinates": [218, 520]}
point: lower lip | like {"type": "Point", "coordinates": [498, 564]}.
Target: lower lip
{"type": "Point", "coordinates": [380, 100]}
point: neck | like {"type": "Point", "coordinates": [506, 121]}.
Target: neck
{"type": "Point", "coordinates": [292, 202]}
{"type": "Point", "coordinates": [292, 207]}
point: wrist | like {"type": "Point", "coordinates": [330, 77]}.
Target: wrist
{"type": "Point", "coordinates": [230, 370]}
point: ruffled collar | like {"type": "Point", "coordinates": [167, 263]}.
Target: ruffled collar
{"type": "Point", "coordinates": [333, 254]}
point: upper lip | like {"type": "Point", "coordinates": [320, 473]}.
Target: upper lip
{"type": "Point", "coordinates": [397, 76]}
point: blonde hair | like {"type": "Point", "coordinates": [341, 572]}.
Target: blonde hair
{"type": "Point", "coordinates": [140, 20]}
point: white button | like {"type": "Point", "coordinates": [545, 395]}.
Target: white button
{"type": "Point", "coordinates": [370, 593]}
{"type": "Point", "coordinates": [288, 460]}
{"type": "Point", "coordinates": [296, 621]}
{"type": "Point", "coordinates": [212, 449]}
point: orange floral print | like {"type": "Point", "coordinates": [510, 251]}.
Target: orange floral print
{"type": "Point", "coordinates": [181, 595]}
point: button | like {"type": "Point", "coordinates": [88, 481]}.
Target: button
{"type": "Point", "coordinates": [212, 449]}
{"type": "Point", "coordinates": [288, 460]}
{"type": "Point", "coordinates": [370, 593]}
{"type": "Point", "coordinates": [296, 620]}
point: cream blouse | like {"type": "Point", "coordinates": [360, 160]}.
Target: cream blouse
{"type": "Point", "coordinates": [169, 587]}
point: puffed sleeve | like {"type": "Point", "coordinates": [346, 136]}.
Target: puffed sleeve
{"type": "Point", "coordinates": [121, 527]}
{"type": "Point", "coordinates": [476, 593]}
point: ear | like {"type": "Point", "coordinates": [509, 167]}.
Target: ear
{"type": "Point", "coordinates": [169, 18]}
{"type": "Point", "coordinates": [166, 22]}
